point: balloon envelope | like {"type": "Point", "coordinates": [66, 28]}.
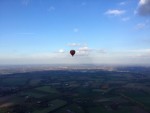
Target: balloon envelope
{"type": "Point", "coordinates": [72, 52]}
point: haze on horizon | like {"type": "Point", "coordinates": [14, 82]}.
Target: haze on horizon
{"type": "Point", "coordinates": [101, 31]}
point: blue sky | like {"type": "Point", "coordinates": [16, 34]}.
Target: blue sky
{"type": "Point", "coordinates": [101, 31]}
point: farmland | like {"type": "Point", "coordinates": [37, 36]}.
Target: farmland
{"type": "Point", "coordinates": [76, 91]}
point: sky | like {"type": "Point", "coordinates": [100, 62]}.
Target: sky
{"type": "Point", "coordinates": [101, 32]}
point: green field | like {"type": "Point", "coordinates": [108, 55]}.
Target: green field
{"type": "Point", "coordinates": [34, 82]}
{"type": "Point", "coordinates": [53, 105]}
{"type": "Point", "coordinates": [3, 110]}
{"type": "Point", "coordinates": [74, 92]}
{"type": "Point", "coordinates": [14, 81]}
{"type": "Point", "coordinates": [97, 110]}
{"type": "Point", "coordinates": [71, 108]}
{"type": "Point", "coordinates": [46, 89]}
{"type": "Point", "coordinates": [109, 110]}
{"type": "Point", "coordinates": [140, 97]}
{"type": "Point", "coordinates": [32, 94]}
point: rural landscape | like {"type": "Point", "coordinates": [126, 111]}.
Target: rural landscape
{"type": "Point", "coordinates": [74, 56]}
{"type": "Point", "coordinates": [76, 90]}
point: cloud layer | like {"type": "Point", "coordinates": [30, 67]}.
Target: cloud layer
{"type": "Point", "coordinates": [83, 55]}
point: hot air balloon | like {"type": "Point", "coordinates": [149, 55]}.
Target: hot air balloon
{"type": "Point", "coordinates": [72, 52]}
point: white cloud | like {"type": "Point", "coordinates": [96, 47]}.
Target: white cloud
{"type": "Point", "coordinates": [74, 44]}
{"type": "Point", "coordinates": [135, 53]}
{"type": "Point", "coordinates": [145, 40]}
{"type": "Point", "coordinates": [145, 55]}
{"type": "Point", "coordinates": [83, 51]}
{"type": "Point", "coordinates": [102, 51]}
{"type": "Point", "coordinates": [141, 53]}
{"type": "Point", "coordinates": [144, 8]}
{"type": "Point", "coordinates": [122, 3]}
{"type": "Point", "coordinates": [128, 57]}
{"type": "Point", "coordinates": [115, 12]}
{"type": "Point", "coordinates": [140, 26]}
{"type": "Point", "coordinates": [84, 48]}
{"type": "Point", "coordinates": [142, 2]}
{"type": "Point", "coordinates": [83, 3]}
{"type": "Point", "coordinates": [76, 30]}
{"type": "Point", "coordinates": [25, 2]}
{"type": "Point", "coordinates": [61, 50]}
{"type": "Point", "coordinates": [125, 19]}
{"type": "Point", "coordinates": [51, 8]}
{"type": "Point", "coordinates": [140, 50]}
